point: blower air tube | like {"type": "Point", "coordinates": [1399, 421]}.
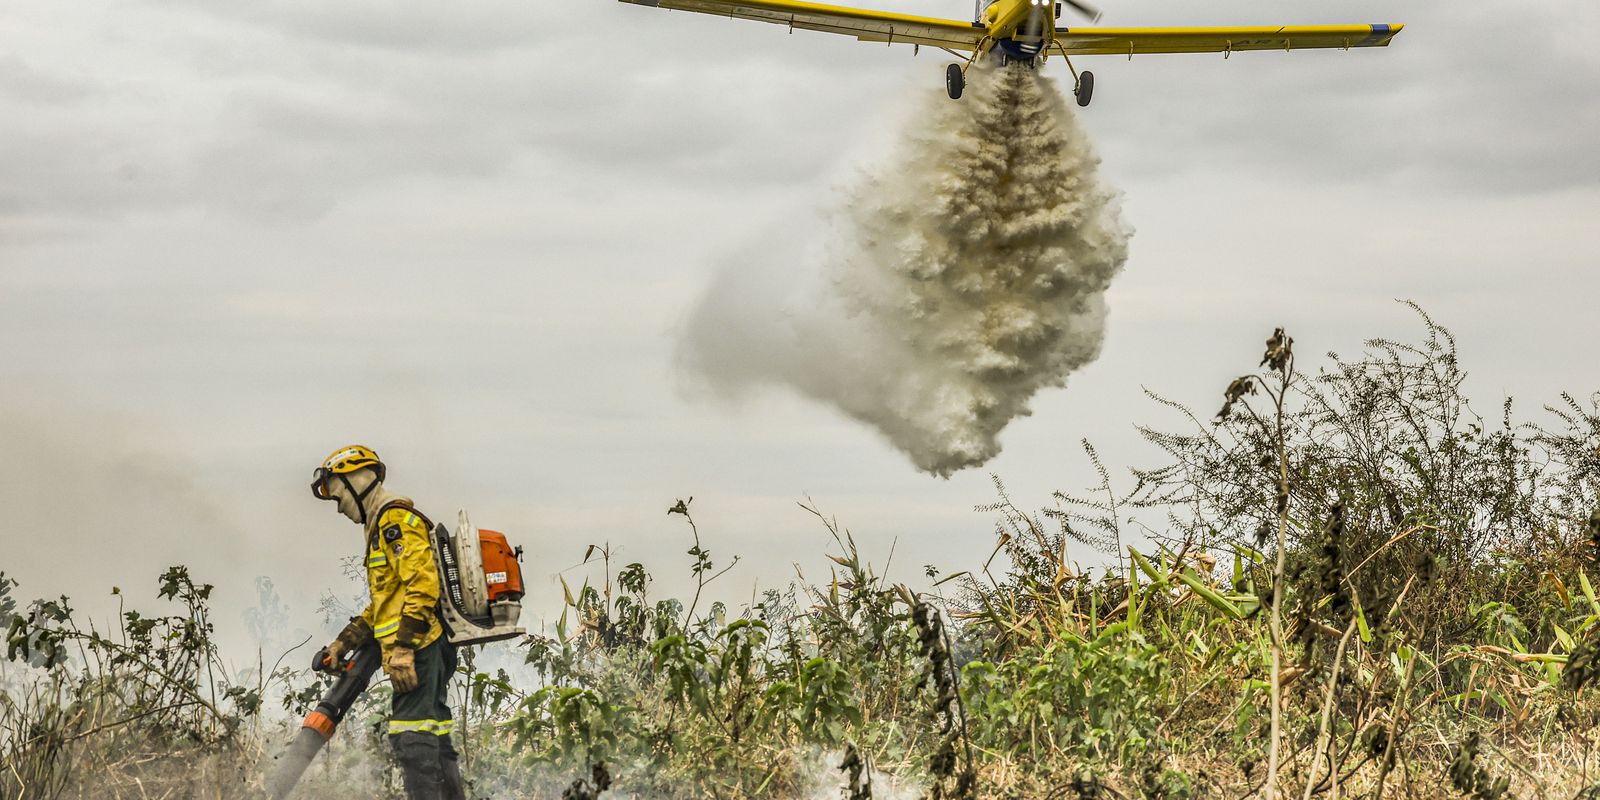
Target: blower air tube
{"type": "Point", "coordinates": [293, 762]}
{"type": "Point", "coordinates": [354, 675]}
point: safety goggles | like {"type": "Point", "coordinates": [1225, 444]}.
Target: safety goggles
{"type": "Point", "coordinates": [319, 483]}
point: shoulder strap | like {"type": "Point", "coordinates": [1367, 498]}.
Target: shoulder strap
{"type": "Point", "coordinates": [400, 502]}
{"type": "Point", "coordinates": [406, 504]}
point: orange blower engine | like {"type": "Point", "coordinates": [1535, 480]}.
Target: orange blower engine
{"type": "Point", "coordinates": [481, 580]}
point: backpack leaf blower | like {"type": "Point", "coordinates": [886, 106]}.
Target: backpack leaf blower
{"type": "Point", "coordinates": [480, 583]}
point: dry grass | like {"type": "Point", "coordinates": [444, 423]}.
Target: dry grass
{"type": "Point", "coordinates": [1435, 633]}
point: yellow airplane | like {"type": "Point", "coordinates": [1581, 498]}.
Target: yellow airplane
{"type": "Point", "coordinates": [1025, 30]}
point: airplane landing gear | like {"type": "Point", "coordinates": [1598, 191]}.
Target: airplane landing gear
{"type": "Point", "coordinates": [954, 81]}
{"type": "Point", "coordinates": [1085, 88]}
{"type": "Point", "coordinates": [1082, 82]}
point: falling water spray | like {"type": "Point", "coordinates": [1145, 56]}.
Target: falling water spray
{"type": "Point", "coordinates": [957, 279]}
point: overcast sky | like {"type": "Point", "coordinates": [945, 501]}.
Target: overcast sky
{"type": "Point", "coordinates": [236, 236]}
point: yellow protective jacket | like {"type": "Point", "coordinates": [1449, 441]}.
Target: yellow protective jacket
{"type": "Point", "coordinates": [401, 577]}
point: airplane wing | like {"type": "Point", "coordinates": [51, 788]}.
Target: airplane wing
{"type": "Point", "coordinates": [866, 25]}
{"type": "Point", "coordinates": [1130, 41]}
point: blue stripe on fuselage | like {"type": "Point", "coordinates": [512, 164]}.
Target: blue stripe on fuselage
{"type": "Point", "coordinates": [1018, 50]}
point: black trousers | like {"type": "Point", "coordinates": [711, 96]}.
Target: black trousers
{"type": "Point", "coordinates": [420, 727]}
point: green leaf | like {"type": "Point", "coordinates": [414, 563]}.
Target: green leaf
{"type": "Point", "coordinates": [1564, 637]}
{"type": "Point", "coordinates": [1544, 658]}
{"type": "Point", "coordinates": [1361, 620]}
{"type": "Point", "coordinates": [1216, 601]}
{"type": "Point", "coordinates": [1157, 578]}
{"type": "Point", "coordinates": [1133, 598]}
{"type": "Point", "coordinates": [1111, 632]}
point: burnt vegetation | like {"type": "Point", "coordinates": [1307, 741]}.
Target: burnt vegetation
{"type": "Point", "coordinates": [1347, 583]}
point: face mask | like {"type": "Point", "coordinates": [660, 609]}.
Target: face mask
{"type": "Point", "coordinates": [350, 503]}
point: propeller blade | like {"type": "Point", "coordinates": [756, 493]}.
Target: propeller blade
{"type": "Point", "coordinates": [1092, 13]}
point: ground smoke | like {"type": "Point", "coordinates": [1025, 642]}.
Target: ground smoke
{"type": "Point", "coordinates": [961, 276]}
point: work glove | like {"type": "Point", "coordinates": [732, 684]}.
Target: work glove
{"type": "Point", "coordinates": [327, 659]}
{"type": "Point", "coordinates": [355, 634]}
{"type": "Point", "coordinates": [401, 665]}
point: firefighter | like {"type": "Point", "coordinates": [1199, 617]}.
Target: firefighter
{"type": "Point", "coordinates": [403, 581]}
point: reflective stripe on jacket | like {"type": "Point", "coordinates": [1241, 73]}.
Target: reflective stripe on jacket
{"type": "Point", "coordinates": [401, 575]}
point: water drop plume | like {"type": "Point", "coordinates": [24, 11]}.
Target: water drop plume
{"type": "Point", "coordinates": [956, 279]}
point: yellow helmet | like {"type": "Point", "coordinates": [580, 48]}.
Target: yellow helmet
{"type": "Point", "coordinates": [344, 461]}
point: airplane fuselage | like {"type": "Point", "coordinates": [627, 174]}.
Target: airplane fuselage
{"type": "Point", "coordinates": [1021, 29]}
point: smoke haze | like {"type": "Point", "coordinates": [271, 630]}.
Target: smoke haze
{"type": "Point", "coordinates": [958, 277]}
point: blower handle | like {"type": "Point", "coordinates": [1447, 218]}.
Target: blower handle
{"type": "Point", "coordinates": [323, 662]}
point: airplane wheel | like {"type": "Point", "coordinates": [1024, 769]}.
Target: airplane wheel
{"type": "Point", "coordinates": [1085, 90]}
{"type": "Point", "coordinates": [954, 81]}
